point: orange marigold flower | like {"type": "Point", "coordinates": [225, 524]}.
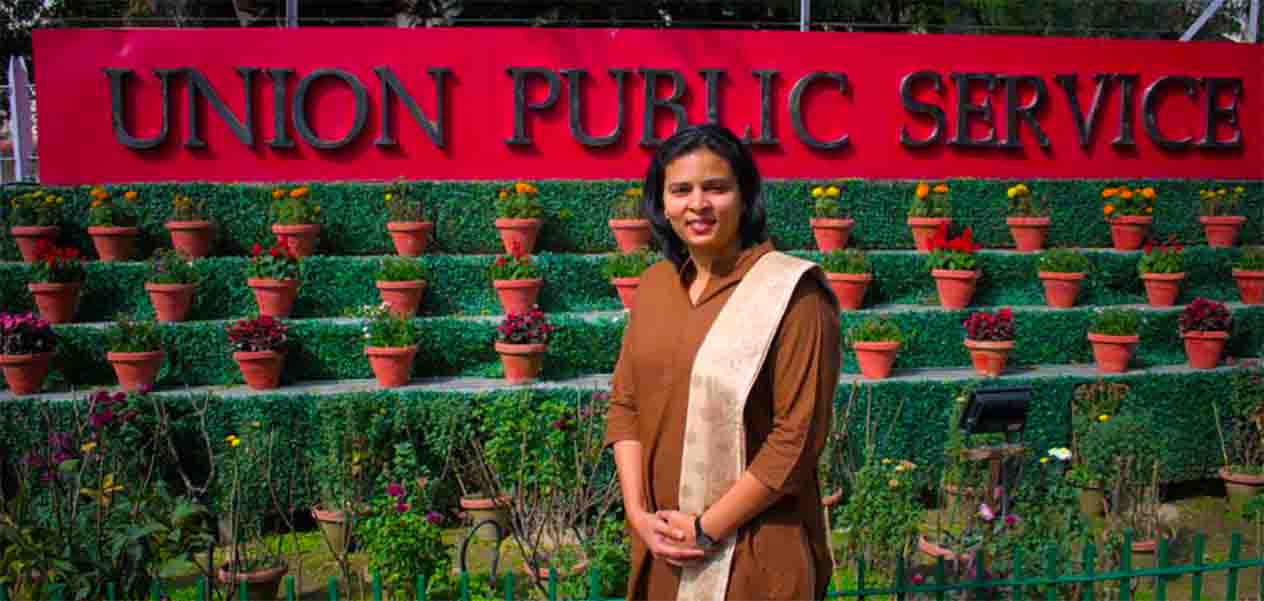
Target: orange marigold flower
{"type": "Point", "coordinates": [1126, 195]}
{"type": "Point", "coordinates": [298, 192]}
{"type": "Point", "coordinates": [922, 191]}
{"type": "Point", "coordinates": [1109, 192]}
{"type": "Point", "coordinates": [522, 188]}
{"type": "Point", "coordinates": [1108, 209]}
{"type": "Point", "coordinates": [131, 195]}
{"type": "Point", "coordinates": [278, 193]}
{"type": "Point", "coordinates": [941, 188]}
{"type": "Point", "coordinates": [1148, 193]}
{"type": "Point", "coordinates": [1149, 210]}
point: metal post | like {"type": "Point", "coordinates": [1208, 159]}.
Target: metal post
{"type": "Point", "coordinates": [1202, 20]}
{"type": "Point", "coordinates": [1253, 26]}
{"type": "Point", "coordinates": [805, 14]}
{"type": "Point", "coordinates": [20, 119]}
{"type": "Point", "coordinates": [291, 13]}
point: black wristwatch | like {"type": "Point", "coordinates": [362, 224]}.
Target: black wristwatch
{"type": "Point", "coordinates": [704, 542]}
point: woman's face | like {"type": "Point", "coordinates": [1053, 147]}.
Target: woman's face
{"type": "Point", "coordinates": [702, 203]}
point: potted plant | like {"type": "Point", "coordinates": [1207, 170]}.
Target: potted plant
{"type": "Point", "coordinates": [190, 227]}
{"type": "Point", "coordinates": [135, 352]}
{"type": "Point", "coordinates": [259, 347]}
{"type": "Point", "coordinates": [876, 342]}
{"type": "Point", "coordinates": [403, 540]}
{"type": "Point", "coordinates": [340, 465]}
{"type": "Point", "coordinates": [953, 265]}
{"type": "Point", "coordinates": [630, 227]}
{"type": "Point", "coordinates": [1028, 218]}
{"type": "Point", "coordinates": [1129, 213]}
{"type": "Point", "coordinates": [251, 563]}
{"type": "Point", "coordinates": [390, 342]}
{"type": "Point", "coordinates": [830, 225]}
{"type": "Point", "coordinates": [1061, 271]}
{"type": "Point", "coordinates": [170, 284]}
{"type": "Point", "coordinates": [1162, 268]}
{"type": "Point", "coordinates": [1241, 433]}
{"type": "Point", "coordinates": [295, 220]}
{"type": "Point", "coordinates": [1218, 214]}
{"type": "Point", "coordinates": [1248, 272]}
{"type": "Point", "coordinates": [519, 217]}
{"type": "Point", "coordinates": [848, 274]}
{"type": "Point", "coordinates": [990, 338]}
{"type": "Point", "coordinates": [931, 212]}
{"type": "Point", "coordinates": [1114, 337]}
{"type": "Point", "coordinates": [26, 350]}
{"type": "Point", "coordinates": [516, 280]}
{"type": "Point", "coordinates": [409, 229]}
{"type": "Point", "coordinates": [273, 276]}
{"type": "Point", "coordinates": [112, 224]}
{"type": "Point", "coordinates": [56, 279]}
{"type": "Point", "coordinates": [1205, 326]}
{"type": "Point", "coordinates": [33, 217]}
{"type": "Point", "coordinates": [522, 339]}
{"type": "Point", "coordinates": [884, 513]}
{"type": "Point", "coordinates": [624, 271]}
{"type": "Point", "coordinates": [401, 281]}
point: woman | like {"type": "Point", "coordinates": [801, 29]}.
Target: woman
{"type": "Point", "coordinates": [723, 391]}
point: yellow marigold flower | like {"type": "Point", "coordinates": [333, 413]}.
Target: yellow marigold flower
{"type": "Point", "coordinates": [1149, 209]}
{"type": "Point", "coordinates": [130, 196]}
{"type": "Point", "coordinates": [818, 192]}
{"type": "Point", "coordinates": [299, 192]}
{"type": "Point", "coordinates": [503, 194]}
{"type": "Point", "coordinates": [1109, 192]}
{"type": "Point", "coordinates": [278, 193]}
{"type": "Point", "coordinates": [1022, 188]}
{"type": "Point", "coordinates": [1108, 209]}
{"type": "Point", "coordinates": [1126, 195]}
{"type": "Point", "coordinates": [832, 191]}
{"type": "Point", "coordinates": [389, 196]}
{"type": "Point", "coordinates": [1239, 189]}
{"type": "Point", "coordinates": [1012, 192]}
{"type": "Point", "coordinates": [1044, 460]}
{"type": "Point", "coordinates": [942, 188]}
{"type": "Point", "coordinates": [1222, 192]}
{"type": "Point", "coordinates": [634, 192]}
{"type": "Point", "coordinates": [1103, 418]}
{"type": "Point", "coordinates": [893, 483]}
{"type": "Point", "coordinates": [886, 462]}
{"type": "Point", "coordinates": [922, 191]}
{"type": "Point", "coordinates": [88, 447]}
{"type": "Point", "coordinates": [232, 440]}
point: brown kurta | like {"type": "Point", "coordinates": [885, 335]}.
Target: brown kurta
{"type": "Point", "coordinates": [787, 421]}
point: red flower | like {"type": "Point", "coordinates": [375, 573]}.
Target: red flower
{"type": "Point", "coordinates": [1005, 314]}
{"type": "Point", "coordinates": [255, 250]}
{"type": "Point", "coordinates": [275, 252]}
{"type": "Point", "coordinates": [940, 237]}
{"type": "Point", "coordinates": [1148, 246]}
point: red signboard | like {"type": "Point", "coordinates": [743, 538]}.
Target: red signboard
{"type": "Point", "coordinates": [374, 104]}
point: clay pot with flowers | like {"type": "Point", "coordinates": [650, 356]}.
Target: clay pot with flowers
{"type": "Point", "coordinates": [953, 264]}
{"type": "Point", "coordinates": [624, 272]}
{"type": "Point", "coordinates": [296, 220]}
{"type": "Point", "coordinates": [1028, 218]}
{"type": "Point", "coordinates": [519, 217]}
{"type": "Point", "coordinates": [876, 342]}
{"type": "Point", "coordinates": [55, 281]}
{"type": "Point", "coordinates": [409, 229]}
{"type": "Point", "coordinates": [259, 347]}
{"type": "Point", "coordinates": [628, 224]}
{"type": "Point", "coordinates": [1205, 327]}
{"type": "Point", "coordinates": [135, 352]}
{"type": "Point", "coordinates": [931, 212]}
{"type": "Point", "coordinates": [27, 343]}
{"type": "Point", "coordinates": [1218, 212]}
{"type": "Point", "coordinates": [1114, 337]}
{"type": "Point", "coordinates": [390, 343]}
{"type": "Point", "coordinates": [273, 275]}
{"type": "Point", "coordinates": [401, 281]}
{"type": "Point", "coordinates": [1061, 271]}
{"type": "Point", "coordinates": [830, 225]}
{"type": "Point", "coordinates": [1162, 268]}
{"type": "Point", "coordinates": [402, 540]}
{"type": "Point", "coordinates": [990, 338]}
{"type": "Point", "coordinates": [112, 224]}
{"type": "Point", "coordinates": [522, 340]}
{"type": "Point", "coordinates": [33, 217]}
{"type": "Point", "coordinates": [171, 283]}
{"type": "Point", "coordinates": [516, 280]}
{"type": "Point", "coordinates": [848, 274]}
{"type": "Point", "coordinates": [190, 227]}
{"type": "Point", "coordinates": [1248, 272]}
{"type": "Point", "coordinates": [1129, 212]}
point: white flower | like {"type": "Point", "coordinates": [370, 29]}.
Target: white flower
{"type": "Point", "coordinates": [1060, 453]}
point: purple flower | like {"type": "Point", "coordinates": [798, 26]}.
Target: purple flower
{"type": "Point", "coordinates": [918, 579]}
{"type": "Point", "coordinates": [434, 518]}
{"type": "Point", "coordinates": [101, 397]}
{"type": "Point", "coordinates": [986, 512]}
{"type": "Point", "coordinates": [401, 506]}
{"type": "Point", "coordinates": [395, 490]}
{"type": "Point", "coordinates": [119, 397]}
{"type": "Point", "coordinates": [33, 459]}
{"type": "Point", "coordinates": [59, 440]}
{"type": "Point", "coordinates": [60, 456]}
{"type": "Point", "coordinates": [1011, 520]}
{"type": "Point", "coordinates": [102, 419]}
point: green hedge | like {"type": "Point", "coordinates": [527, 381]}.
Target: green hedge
{"type": "Point", "coordinates": [577, 213]}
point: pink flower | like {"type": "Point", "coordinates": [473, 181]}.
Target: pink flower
{"type": "Point", "coordinates": [918, 580]}
{"type": "Point", "coordinates": [102, 419]}
{"type": "Point", "coordinates": [395, 490]}
{"type": "Point", "coordinates": [401, 506]}
{"type": "Point", "coordinates": [434, 518]}
{"type": "Point", "coordinates": [1011, 520]}
{"type": "Point", "coordinates": [986, 512]}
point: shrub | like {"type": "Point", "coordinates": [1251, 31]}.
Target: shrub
{"type": "Point", "coordinates": [930, 201]}
{"type": "Point", "coordinates": [56, 265]}
{"type": "Point", "coordinates": [984, 326]}
{"type": "Point", "coordinates": [128, 336]}
{"type": "Point", "coordinates": [845, 261]}
{"type": "Point", "coordinates": [276, 264]}
{"type": "Point", "coordinates": [825, 202]}
{"type": "Point", "coordinates": [516, 267]}
{"type": "Point", "coordinates": [627, 205]}
{"type": "Point", "coordinates": [1116, 322]}
{"type": "Point", "coordinates": [1251, 260]}
{"type": "Point", "coordinates": [1122, 200]}
{"type": "Point", "coordinates": [185, 208]}
{"type": "Point", "coordinates": [35, 208]}
{"type": "Point", "coordinates": [518, 202]}
{"type": "Point", "coordinates": [294, 206]}
{"type": "Point", "coordinates": [1063, 260]}
{"type": "Point", "coordinates": [1204, 315]}
{"type": "Point", "coordinates": [399, 207]}
{"type": "Point", "coordinates": [1022, 203]}
{"type": "Point", "coordinates": [104, 210]}
{"type": "Point", "coordinates": [1215, 203]}
{"type": "Point", "coordinates": [168, 267]}
{"type": "Point", "coordinates": [876, 329]}
{"type": "Point", "coordinates": [628, 265]}
{"type": "Point", "coordinates": [402, 269]}
{"type": "Point", "coordinates": [1162, 258]}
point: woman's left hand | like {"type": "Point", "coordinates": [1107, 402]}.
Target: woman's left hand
{"type": "Point", "coordinates": [679, 528]}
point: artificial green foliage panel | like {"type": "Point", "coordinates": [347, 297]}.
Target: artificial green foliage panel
{"type": "Point", "coordinates": [576, 212]}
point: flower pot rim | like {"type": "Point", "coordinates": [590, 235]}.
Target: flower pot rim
{"type": "Point", "coordinates": [168, 287]}
{"type": "Point", "coordinates": [408, 226]}
{"type": "Point", "coordinates": [934, 550]}
{"type": "Point", "coordinates": [1114, 339]}
{"type": "Point", "coordinates": [955, 274]}
{"type": "Point", "coordinates": [483, 503]}
{"type": "Point", "coordinates": [831, 222]}
{"type": "Point", "coordinates": [265, 575]}
{"type": "Point", "coordinates": [928, 220]}
{"type": "Point", "coordinates": [1164, 277]}
{"type": "Point", "coordinates": [328, 515]}
{"type": "Point", "coordinates": [1222, 219]}
{"type": "Point", "coordinates": [880, 345]}
{"type": "Point", "coordinates": [849, 277]}
{"type": "Point", "coordinates": [1062, 275]}
{"type": "Point", "coordinates": [28, 230]}
{"type": "Point", "coordinates": [140, 356]}
{"type": "Point", "coordinates": [52, 286]}
{"type": "Point", "coordinates": [197, 224]}
{"type": "Point", "coordinates": [509, 348]}
{"type": "Point", "coordinates": [1021, 221]}
{"type": "Point", "coordinates": [518, 221]}
{"type": "Point", "coordinates": [989, 345]}
{"type": "Point", "coordinates": [1240, 478]}
{"type": "Point", "coordinates": [278, 228]}
{"type": "Point", "coordinates": [628, 281]}
{"type": "Point", "coordinates": [112, 230]}
{"type": "Point", "coordinates": [635, 223]}
{"type": "Point", "coordinates": [523, 283]}
{"type": "Point", "coordinates": [399, 284]}
{"type": "Point", "coordinates": [247, 355]}
{"type": "Point", "coordinates": [1248, 273]}
{"type": "Point", "coordinates": [1132, 219]}
{"type": "Point", "coordinates": [1206, 334]}
{"type": "Point", "coordinates": [1145, 545]}
{"type": "Point", "coordinates": [388, 351]}
{"type": "Point", "coordinates": [25, 358]}
{"type": "Point", "coordinates": [271, 283]}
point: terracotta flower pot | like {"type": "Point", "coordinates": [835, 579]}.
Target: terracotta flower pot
{"type": "Point", "coordinates": [518, 296]}
{"type": "Point", "coordinates": [25, 374]}
{"type": "Point", "coordinates": [989, 356]}
{"type": "Point", "coordinates": [831, 234]}
{"type": "Point", "coordinates": [275, 298]}
{"type": "Point", "coordinates": [57, 303]}
{"type": "Point", "coordinates": [924, 229]}
{"type": "Point", "coordinates": [1028, 232]}
{"type": "Point", "coordinates": [392, 366]}
{"type": "Point", "coordinates": [1145, 545]}
{"type": "Point", "coordinates": [481, 509]}
{"type": "Point", "coordinates": [29, 237]}
{"type": "Point", "coordinates": [955, 286]}
{"type": "Point", "coordinates": [626, 287]}
{"type": "Point", "coordinates": [261, 369]}
{"type": "Point", "coordinates": [1061, 288]}
{"type": "Point", "coordinates": [260, 584]}
{"type": "Point", "coordinates": [1203, 349]}
{"type": "Point", "coordinates": [541, 572]}
{"type": "Point", "coordinates": [1112, 353]}
{"type": "Point", "coordinates": [630, 234]}
{"type": "Point", "coordinates": [1250, 286]}
{"type": "Point", "coordinates": [171, 301]}
{"type": "Point", "coordinates": [1162, 289]}
{"type": "Point", "coordinates": [410, 237]}
{"type": "Point", "coordinates": [1092, 502]}
{"type": "Point", "coordinates": [300, 239]}
{"type": "Point", "coordinates": [1241, 487]}
{"type": "Point", "coordinates": [935, 550]}
{"type": "Point", "coordinates": [192, 239]}
{"type": "Point", "coordinates": [522, 232]}
{"type": "Point", "coordinates": [522, 362]}
{"type": "Point", "coordinates": [875, 358]}
{"type": "Point", "coordinates": [114, 243]}
{"type": "Point", "coordinates": [849, 288]}
{"type": "Point", "coordinates": [136, 370]}
{"type": "Point", "coordinates": [335, 529]}
{"type": "Point", "coordinates": [1222, 231]}
{"type": "Point", "coordinates": [1128, 232]}
{"type": "Point", "coordinates": [403, 297]}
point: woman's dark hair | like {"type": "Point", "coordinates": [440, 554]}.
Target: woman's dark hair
{"type": "Point", "coordinates": [722, 142]}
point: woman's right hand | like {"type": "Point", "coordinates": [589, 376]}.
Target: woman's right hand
{"type": "Point", "coordinates": [649, 527]}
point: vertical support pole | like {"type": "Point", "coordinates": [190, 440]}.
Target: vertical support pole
{"type": "Point", "coordinates": [21, 120]}
{"type": "Point", "coordinates": [1051, 573]}
{"type": "Point", "coordinates": [805, 15]}
{"type": "Point", "coordinates": [1196, 582]}
{"type": "Point", "coordinates": [940, 579]}
{"type": "Point", "coordinates": [1089, 559]}
{"type": "Point", "coordinates": [291, 14]}
{"type": "Point", "coordinates": [1020, 590]}
{"type": "Point", "coordinates": [1235, 554]}
{"type": "Point", "coordinates": [201, 590]}
{"type": "Point", "coordinates": [1160, 581]}
{"type": "Point", "coordinates": [289, 589]}
{"type": "Point", "coordinates": [1253, 26]}
{"type": "Point", "coordinates": [1125, 566]}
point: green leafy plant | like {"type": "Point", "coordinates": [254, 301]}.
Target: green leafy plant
{"type": "Point", "coordinates": [518, 202]}
{"type": "Point", "coordinates": [1251, 260]}
{"type": "Point", "coordinates": [628, 265]}
{"type": "Point", "coordinates": [57, 265]}
{"type": "Point", "coordinates": [399, 206]}
{"type": "Point", "coordinates": [516, 267]}
{"type": "Point", "coordinates": [128, 336]}
{"type": "Point", "coordinates": [1162, 258]}
{"type": "Point", "coordinates": [882, 517]}
{"type": "Point", "coordinates": [186, 208]}
{"type": "Point", "coordinates": [931, 201]}
{"type": "Point", "coordinates": [876, 329]}
{"type": "Point", "coordinates": [402, 269]}
{"type": "Point", "coordinates": [849, 260]}
{"type": "Point", "coordinates": [1063, 260]}
{"type": "Point", "coordinates": [1241, 431]}
{"type": "Point", "coordinates": [105, 210]}
{"type": "Point", "coordinates": [168, 267]}
{"type": "Point", "coordinates": [294, 206]}
{"type": "Point", "coordinates": [277, 263]}
{"type": "Point", "coordinates": [825, 202]}
{"type": "Point", "coordinates": [1220, 202]}
{"type": "Point", "coordinates": [244, 457]}
{"type": "Point", "coordinates": [403, 537]}
{"type": "Point", "coordinates": [1116, 321]}
{"type": "Point", "coordinates": [35, 208]}
{"type": "Point", "coordinates": [383, 328]}
{"type": "Point", "coordinates": [1023, 203]}
{"type": "Point", "coordinates": [627, 205]}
